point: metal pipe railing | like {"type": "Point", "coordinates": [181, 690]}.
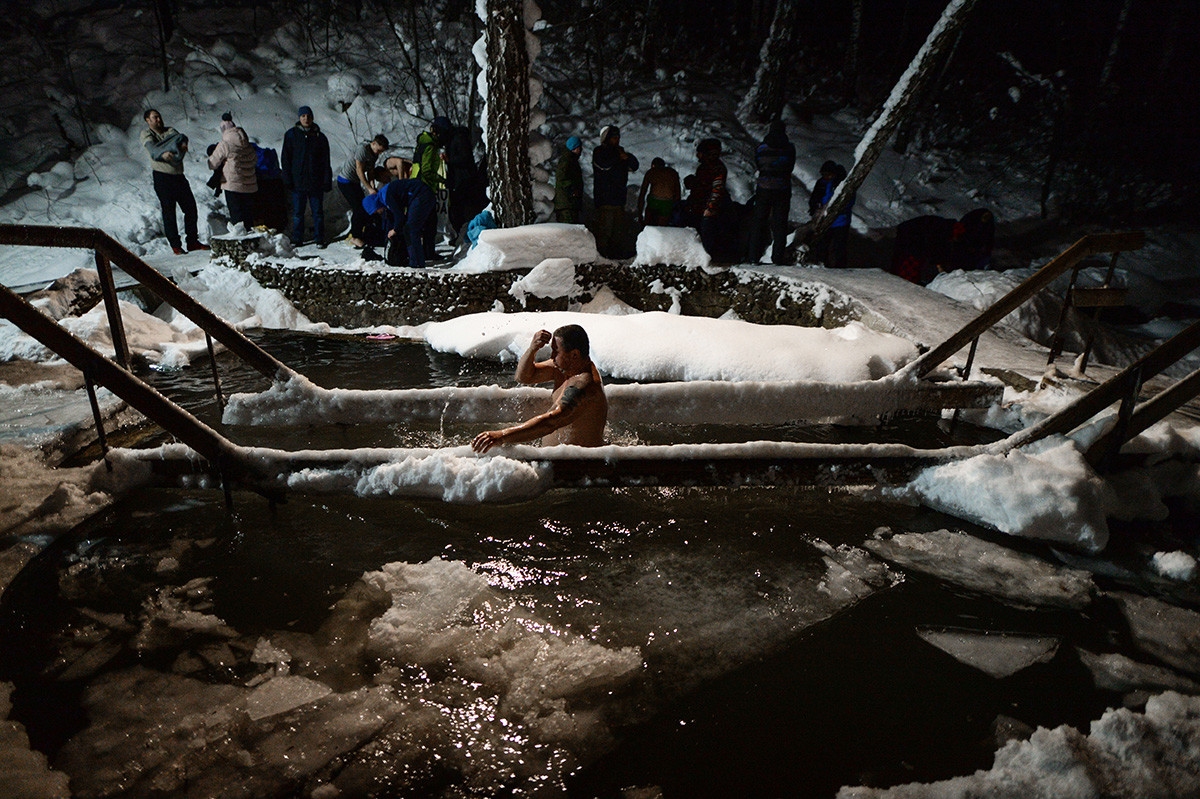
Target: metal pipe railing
{"type": "Point", "coordinates": [1088, 245]}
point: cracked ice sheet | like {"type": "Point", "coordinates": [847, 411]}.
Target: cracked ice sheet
{"type": "Point", "coordinates": [987, 568]}
{"type": "Point", "coordinates": [998, 655]}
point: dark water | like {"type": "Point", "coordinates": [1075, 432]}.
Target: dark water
{"type": "Point", "coordinates": [755, 683]}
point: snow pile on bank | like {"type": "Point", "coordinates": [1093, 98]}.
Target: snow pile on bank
{"type": "Point", "coordinates": [1126, 754]}
{"type": "Point", "coordinates": [1174, 565]}
{"type": "Point", "coordinates": [1050, 494]}
{"type": "Point", "coordinates": [658, 346]}
{"type": "Point", "coordinates": [670, 246]}
{"type": "Point", "coordinates": [502, 249]}
{"type": "Point", "coordinates": [553, 277]}
{"type": "Point", "coordinates": [167, 337]}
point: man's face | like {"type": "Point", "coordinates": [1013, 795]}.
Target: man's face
{"type": "Point", "coordinates": [376, 147]}
{"type": "Point", "coordinates": [154, 120]}
{"type": "Point", "coordinates": [563, 358]}
{"type": "Point", "coordinates": [306, 120]}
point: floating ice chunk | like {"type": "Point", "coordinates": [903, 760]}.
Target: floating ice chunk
{"type": "Point", "coordinates": [24, 772]}
{"type": "Point", "coordinates": [676, 246]}
{"type": "Point", "coordinates": [1126, 754]}
{"type": "Point", "coordinates": [266, 652]}
{"type": "Point", "coordinates": [1053, 495]}
{"type": "Point", "coordinates": [998, 655]}
{"type": "Point", "coordinates": [281, 694]}
{"type": "Point", "coordinates": [1174, 565]}
{"type": "Point", "coordinates": [1116, 672]}
{"type": "Point", "coordinates": [1168, 633]}
{"type": "Point", "coordinates": [987, 568]}
{"type": "Point", "coordinates": [444, 613]}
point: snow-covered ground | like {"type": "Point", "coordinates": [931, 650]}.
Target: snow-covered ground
{"type": "Point", "coordinates": [1049, 493]}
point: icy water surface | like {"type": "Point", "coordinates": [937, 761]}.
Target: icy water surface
{"type": "Point", "coordinates": [700, 642]}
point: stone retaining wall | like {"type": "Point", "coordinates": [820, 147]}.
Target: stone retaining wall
{"type": "Point", "coordinates": [399, 296]}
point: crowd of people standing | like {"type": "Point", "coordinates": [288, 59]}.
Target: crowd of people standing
{"type": "Point", "coordinates": [728, 230]}
{"type": "Point", "coordinates": [394, 206]}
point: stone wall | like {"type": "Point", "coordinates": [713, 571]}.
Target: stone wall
{"type": "Point", "coordinates": [396, 296]}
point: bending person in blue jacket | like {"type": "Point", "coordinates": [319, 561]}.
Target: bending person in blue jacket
{"type": "Point", "coordinates": [406, 205]}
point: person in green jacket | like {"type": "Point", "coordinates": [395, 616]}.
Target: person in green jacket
{"type": "Point", "coordinates": [427, 164]}
{"type": "Point", "coordinates": [568, 184]}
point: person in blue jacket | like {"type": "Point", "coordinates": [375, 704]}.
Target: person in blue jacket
{"type": "Point", "coordinates": [830, 249]}
{"type": "Point", "coordinates": [406, 205]}
{"type": "Point", "coordinates": [307, 174]}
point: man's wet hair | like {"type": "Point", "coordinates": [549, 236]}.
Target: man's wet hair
{"type": "Point", "coordinates": [382, 141]}
{"type": "Point", "coordinates": [146, 114]}
{"type": "Point", "coordinates": [658, 162]}
{"type": "Point", "coordinates": [573, 337]}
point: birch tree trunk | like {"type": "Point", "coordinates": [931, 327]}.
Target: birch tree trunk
{"type": "Point", "coordinates": [765, 99]}
{"type": "Point", "coordinates": [899, 104]}
{"type": "Point", "coordinates": [509, 178]}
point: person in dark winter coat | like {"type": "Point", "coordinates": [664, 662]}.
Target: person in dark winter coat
{"type": "Point", "coordinates": [166, 148]}
{"type": "Point", "coordinates": [307, 174]}
{"type": "Point", "coordinates": [775, 158]}
{"type": "Point", "coordinates": [927, 246]}
{"type": "Point", "coordinates": [709, 199]}
{"type": "Point", "coordinates": [427, 168]}
{"type": "Point", "coordinates": [830, 248]}
{"type": "Point", "coordinates": [356, 180]}
{"type": "Point", "coordinates": [611, 166]}
{"type": "Point", "coordinates": [568, 184]}
{"type": "Point", "coordinates": [406, 204]}
{"type": "Point", "coordinates": [237, 161]}
{"type": "Point", "coordinates": [466, 179]}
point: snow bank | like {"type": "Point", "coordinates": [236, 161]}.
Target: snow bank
{"type": "Point", "coordinates": [670, 246]}
{"type": "Point", "coordinates": [657, 346]}
{"type": "Point", "coordinates": [1126, 754]}
{"type": "Point", "coordinates": [553, 277]}
{"type": "Point", "coordinates": [502, 249]}
{"type": "Point", "coordinates": [1052, 495]}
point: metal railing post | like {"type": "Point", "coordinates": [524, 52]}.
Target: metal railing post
{"type": "Point", "coordinates": [116, 324]}
{"type": "Point", "coordinates": [95, 403]}
{"type": "Point", "coordinates": [212, 358]}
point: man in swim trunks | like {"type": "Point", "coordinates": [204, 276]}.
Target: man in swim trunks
{"type": "Point", "coordinates": [662, 185]}
{"type": "Point", "coordinates": [578, 407]}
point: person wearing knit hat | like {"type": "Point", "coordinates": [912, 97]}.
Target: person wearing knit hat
{"type": "Point", "coordinates": [568, 184]}
{"type": "Point", "coordinates": [307, 174]}
{"type": "Point", "coordinates": [611, 166]}
{"type": "Point", "coordinates": [237, 162]}
{"type": "Point", "coordinates": [405, 205]}
{"type": "Point", "coordinates": [429, 166]}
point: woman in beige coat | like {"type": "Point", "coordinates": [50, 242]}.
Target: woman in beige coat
{"type": "Point", "coordinates": [237, 161]}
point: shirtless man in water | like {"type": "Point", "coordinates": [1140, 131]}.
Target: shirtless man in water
{"type": "Point", "coordinates": [578, 407]}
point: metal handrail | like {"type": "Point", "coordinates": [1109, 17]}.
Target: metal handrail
{"type": "Point", "coordinates": [1093, 244]}
{"type": "Point", "coordinates": [109, 250]}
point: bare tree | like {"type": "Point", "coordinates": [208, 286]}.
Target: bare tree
{"type": "Point", "coordinates": [895, 109]}
{"type": "Point", "coordinates": [850, 70]}
{"type": "Point", "coordinates": [509, 177]}
{"type": "Point", "coordinates": [766, 96]}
